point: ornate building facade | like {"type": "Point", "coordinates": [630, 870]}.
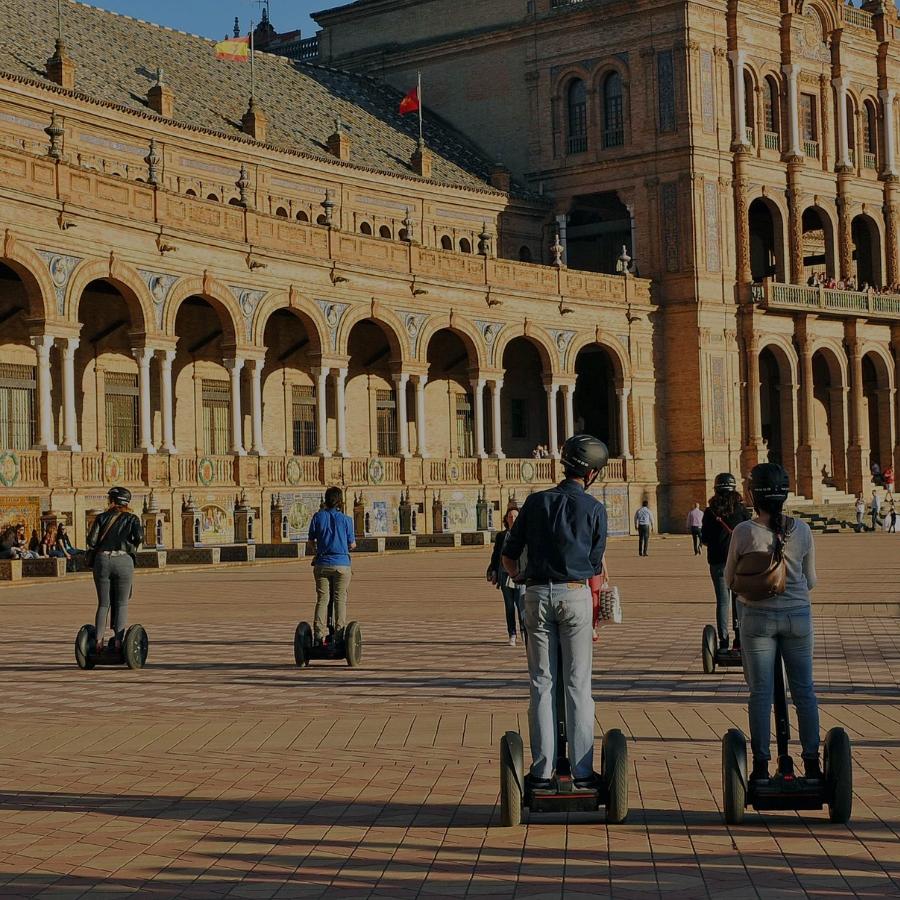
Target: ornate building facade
{"type": "Point", "coordinates": [203, 297]}
{"type": "Point", "coordinates": [745, 152]}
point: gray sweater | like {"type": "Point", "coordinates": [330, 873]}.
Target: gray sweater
{"type": "Point", "coordinates": [799, 554]}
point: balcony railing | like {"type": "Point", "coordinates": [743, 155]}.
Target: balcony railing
{"type": "Point", "coordinates": [861, 18]}
{"type": "Point", "coordinates": [851, 154]}
{"type": "Point", "coordinates": [811, 149]}
{"type": "Point", "coordinates": [750, 135]}
{"type": "Point", "coordinates": [793, 296]}
{"type": "Point", "coordinates": [106, 468]}
{"type": "Point", "coordinates": [772, 140]}
{"type": "Point", "coordinates": [578, 143]}
{"type": "Point", "coordinates": [870, 161]}
{"type": "Point", "coordinates": [613, 137]}
{"type": "Point", "coordinates": [308, 49]}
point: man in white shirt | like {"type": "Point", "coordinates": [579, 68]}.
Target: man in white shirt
{"type": "Point", "coordinates": [643, 521]}
{"type": "Point", "coordinates": [694, 524]}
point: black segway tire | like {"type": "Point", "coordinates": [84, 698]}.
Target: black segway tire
{"type": "Point", "coordinates": [85, 647]}
{"type": "Point", "coordinates": [302, 644]}
{"type": "Point", "coordinates": [839, 776]}
{"type": "Point", "coordinates": [135, 647]}
{"type": "Point", "coordinates": [512, 779]}
{"type": "Point", "coordinates": [614, 769]}
{"type": "Point", "coordinates": [710, 640]}
{"type": "Point", "coordinates": [353, 644]}
{"type": "Point", "coordinates": [734, 776]}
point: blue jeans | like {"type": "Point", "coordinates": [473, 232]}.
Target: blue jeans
{"type": "Point", "coordinates": [558, 618]}
{"type": "Point", "coordinates": [512, 602]}
{"type": "Point", "coordinates": [791, 631]}
{"type": "Point", "coordinates": [724, 600]}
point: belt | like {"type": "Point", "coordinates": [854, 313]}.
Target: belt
{"type": "Point", "coordinates": [536, 582]}
{"type": "Point", "coordinates": [113, 552]}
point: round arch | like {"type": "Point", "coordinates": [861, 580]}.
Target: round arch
{"type": "Point", "coordinates": [617, 354]}
{"type": "Point", "coordinates": [884, 364]}
{"type": "Point", "coordinates": [541, 340]}
{"type": "Point", "coordinates": [217, 295]}
{"type": "Point", "coordinates": [830, 413]}
{"type": "Point", "coordinates": [877, 368]}
{"type": "Point", "coordinates": [124, 279]}
{"type": "Point", "coordinates": [825, 12]}
{"type": "Point", "coordinates": [785, 355]}
{"type": "Point", "coordinates": [768, 245]}
{"type": "Point", "coordinates": [308, 314]}
{"type": "Point", "coordinates": [463, 329]}
{"type": "Point", "coordinates": [866, 238]}
{"type": "Point", "coordinates": [389, 323]}
{"type": "Point", "coordinates": [34, 275]}
{"type": "Point", "coordinates": [818, 250]}
{"type": "Point", "coordinates": [778, 367]}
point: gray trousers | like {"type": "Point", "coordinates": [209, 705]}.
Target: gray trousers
{"type": "Point", "coordinates": [113, 578]}
{"type": "Point", "coordinates": [558, 617]}
{"type": "Point", "coordinates": [331, 581]}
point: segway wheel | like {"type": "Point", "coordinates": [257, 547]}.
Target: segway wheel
{"type": "Point", "coordinates": [734, 776]}
{"type": "Point", "coordinates": [614, 769]}
{"type": "Point", "coordinates": [710, 639]}
{"type": "Point", "coordinates": [85, 645]}
{"type": "Point", "coordinates": [136, 646]}
{"type": "Point", "coordinates": [353, 644]}
{"type": "Point", "coordinates": [302, 644]}
{"type": "Point", "coordinates": [839, 775]}
{"type": "Point", "coordinates": [512, 779]}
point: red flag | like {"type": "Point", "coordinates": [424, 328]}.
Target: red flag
{"type": "Point", "coordinates": [410, 103]}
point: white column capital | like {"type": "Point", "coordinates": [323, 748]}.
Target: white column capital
{"type": "Point", "coordinates": [70, 344]}
{"type": "Point", "coordinates": [234, 364]}
{"type": "Point", "coordinates": [738, 57]}
{"type": "Point", "coordinates": [623, 392]}
{"type": "Point", "coordinates": [143, 355]}
{"type": "Point", "coordinates": [792, 70]}
{"type": "Point", "coordinates": [400, 378]}
{"type": "Point", "coordinates": [887, 94]}
{"type": "Point", "coordinates": [841, 83]}
{"type": "Point", "coordinates": [43, 343]}
{"type": "Point", "coordinates": [166, 356]}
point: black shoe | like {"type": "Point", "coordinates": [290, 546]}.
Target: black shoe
{"type": "Point", "coordinates": [723, 643]}
{"type": "Point", "coordinates": [537, 784]}
{"type": "Point", "coordinates": [589, 782]}
{"type": "Point", "coordinates": [760, 770]}
{"type": "Point", "coordinates": [812, 769]}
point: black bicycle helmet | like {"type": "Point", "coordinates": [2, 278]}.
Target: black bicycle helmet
{"type": "Point", "coordinates": [583, 453]}
{"type": "Point", "coordinates": [769, 484]}
{"type": "Point", "coordinates": [725, 483]}
{"type": "Point", "coordinates": [120, 496]}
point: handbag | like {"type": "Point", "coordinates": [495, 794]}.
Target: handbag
{"type": "Point", "coordinates": [762, 574]}
{"type": "Point", "coordinates": [90, 555]}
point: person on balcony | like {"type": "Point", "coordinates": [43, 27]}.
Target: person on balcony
{"type": "Point", "coordinates": [114, 539]}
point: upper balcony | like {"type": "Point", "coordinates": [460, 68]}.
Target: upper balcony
{"type": "Point", "coordinates": [869, 304]}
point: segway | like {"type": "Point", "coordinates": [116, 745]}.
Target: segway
{"type": "Point", "coordinates": [713, 655]}
{"type": "Point", "coordinates": [132, 651]}
{"type": "Point", "coordinates": [563, 796]}
{"type": "Point", "coordinates": [348, 647]}
{"type": "Point", "coordinates": [786, 790]}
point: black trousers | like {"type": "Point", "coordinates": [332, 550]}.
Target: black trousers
{"type": "Point", "coordinates": [695, 534]}
{"type": "Point", "coordinates": [643, 539]}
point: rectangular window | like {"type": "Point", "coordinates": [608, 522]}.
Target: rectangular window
{"type": "Point", "coordinates": [614, 122]}
{"type": "Point", "coordinates": [303, 403]}
{"type": "Point", "coordinates": [17, 387]}
{"type": "Point", "coordinates": [386, 417]}
{"type": "Point", "coordinates": [465, 426]}
{"type": "Point", "coordinates": [665, 85]}
{"type": "Point", "coordinates": [519, 416]}
{"type": "Point", "coordinates": [216, 399]}
{"type": "Point", "coordinates": [808, 119]}
{"type": "Point", "coordinates": [121, 401]}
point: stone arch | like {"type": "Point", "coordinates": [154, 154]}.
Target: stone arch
{"type": "Point", "coordinates": [826, 15]}
{"type": "Point", "coordinates": [778, 377]}
{"type": "Point", "coordinates": [596, 400]}
{"type": "Point", "coordinates": [819, 254]}
{"type": "Point", "coordinates": [463, 329]}
{"type": "Point", "coordinates": [308, 313]}
{"type": "Point", "coordinates": [867, 242]}
{"type": "Point", "coordinates": [390, 324]}
{"type": "Point", "coordinates": [768, 238]}
{"type": "Point", "coordinates": [125, 279]}
{"type": "Point", "coordinates": [877, 367]}
{"type": "Point", "coordinates": [830, 412]}
{"type": "Point", "coordinates": [617, 353]}
{"type": "Point", "coordinates": [34, 275]}
{"type": "Point", "coordinates": [217, 295]}
{"type": "Point", "coordinates": [542, 341]}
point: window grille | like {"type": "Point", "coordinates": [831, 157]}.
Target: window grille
{"type": "Point", "coordinates": [303, 403]}
{"type": "Point", "coordinates": [216, 399]}
{"type": "Point", "coordinates": [17, 404]}
{"type": "Point", "coordinates": [465, 425]}
{"type": "Point", "coordinates": [122, 416]}
{"type": "Point", "coordinates": [386, 416]}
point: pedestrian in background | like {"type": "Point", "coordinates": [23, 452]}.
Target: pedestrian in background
{"type": "Point", "coordinates": [643, 521]}
{"type": "Point", "coordinates": [694, 524]}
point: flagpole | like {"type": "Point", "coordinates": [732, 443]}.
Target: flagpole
{"type": "Point", "coordinates": [252, 65]}
{"type": "Point", "coordinates": [421, 125]}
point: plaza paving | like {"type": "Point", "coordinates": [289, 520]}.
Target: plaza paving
{"type": "Point", "coordinates": [223, 770]}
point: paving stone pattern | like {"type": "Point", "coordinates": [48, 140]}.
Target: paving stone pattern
{"type": "Point", "coordinates": [222, 770]}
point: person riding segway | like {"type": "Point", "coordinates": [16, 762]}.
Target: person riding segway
{"type": "Point", "coordinates": [771, 566]}
{"type": "Point", "coordinates": [564, 530]}
{"type": "Point", "coordinates": [113, 541]}
{"type": "Point", "coordinates": [724, 513]}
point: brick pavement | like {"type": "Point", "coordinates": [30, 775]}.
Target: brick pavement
{"type": "Point", "coordinates": [223, 770]}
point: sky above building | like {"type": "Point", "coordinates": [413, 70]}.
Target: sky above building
{"type": "Point", "coordinates": [213, 18]}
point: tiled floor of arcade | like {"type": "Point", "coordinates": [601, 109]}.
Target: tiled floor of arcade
{"type": "Point", "coordinates": [222, 770]}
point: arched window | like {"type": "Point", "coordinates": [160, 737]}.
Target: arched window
{"type": "Point", "coordinates": [321, 220]}
{"type": "Point", "coordinates": [385, 232]}
{"type": "Point", "coordinates": [281, 212]}
{"type": "Point", "coordinates": [190, 192]}
{"type": "Point", "coordinates": [212, 197]}
{"type": "Point", "coordinates": [446, 242]}
{"type": "Point", "coordinates": [870, 136]}
{"type": "Point", "coordinates": [524, 254]}
{"type": "Point", "coordinates": [234, 201]}
{"type": "Point", "coordinates": [749, 109]}
{"type": "Point", "coordinates": [772, 113]}
{"type": "Point", "coordinates": [465, 245]}
{"type": "Point", "coordinates": [613, 111]}
{"type": "Point", "coordinates": [365, 228]}
{"type": "Point", "coordinates": [302, 216]}
{"type": "Point", "coordinates": [577, 118]}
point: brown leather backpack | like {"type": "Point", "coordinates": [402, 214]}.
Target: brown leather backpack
{"type": "Point", "coordinates": [762, 574]}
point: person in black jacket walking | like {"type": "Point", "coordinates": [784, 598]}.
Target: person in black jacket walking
{"type": "Point", "coordinates": [725, 511]}
{"type": "Point", "coordinates": [114, 539]}
{"type": "Point", "coordinates": [512, 594]}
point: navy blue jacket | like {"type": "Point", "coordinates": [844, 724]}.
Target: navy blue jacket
{"type": "Point", "coordinates": [564, 529]}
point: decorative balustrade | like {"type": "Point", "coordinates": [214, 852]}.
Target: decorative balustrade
{"type": "Point", "coordinates": [453, 471]}
{"type": "Point", "coordinates": [870, 161]}
{"type": "Point", "coordinates": [529, 470]}
{"type": "Point", "coordinates": [793, 296]}
{"type": "Point", "coordinates": [21, 468]}
{"type": "Point", "coordinates": [107, 469]}
{"type": "Point", "coordinates": [772, 140]}
{"type": "Point", "coordinates": [293, 470]}
{"type": "Point", "coordinates": [860, 18]}
{"type": "Point", "coordinates": [811, 149]}
{"type": "Point", "coordinates": [204, 471]}
{"type": "Point", "coordinates": [750, 135]}
{"type": "Point", "coordinates": [615, 470]}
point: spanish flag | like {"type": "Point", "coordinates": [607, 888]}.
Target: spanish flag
{"type": "Point", "coordinates": [234, 49]}
{"type": "Point", "coordinates": [410, 103]}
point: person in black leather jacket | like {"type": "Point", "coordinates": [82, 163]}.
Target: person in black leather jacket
{"type": "Point", "coordinates": [512, 594]}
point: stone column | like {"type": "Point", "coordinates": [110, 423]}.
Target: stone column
{"type": "Point", "coordinates": [753, 449]}
{"type": "Point", "coordinates": [739, 101]}
{"type": "Point", "coordinates": [840, 86]}
{"type": "Point", "coordinates": [552, 424]}
{"type": "Point", "coordinates": [845, 235]}
{"type": "Point", "coordinates": [478, 411]}
{"type": "Point", "coordinates": [70, 413]}
{"type": "Point", "coordinates": [568, 410]}
{"type": "Point", "coordinates": [321, 376]}
{"type": "Point", "coordinates": [43, 344]}
{"type": "Point", "coordinates": [895, 340]}
{"type": "Point", "coordinates": [495, 385]}
{"type": "Point", "coordinates": [421, 441]}
{"type": "Point", "coordinates": [857, 455]}
{"type": "Point", "coordinates": [742, 218]}
{"type": "Point", "coordinates": [890, 152]}
{"type": "Point", "coordinates": [792, 73]}
{"type": "Point", "coordinates": [234, 367]}
{"type": "Point", "coordinates": [623, 393]}
{"type": "Point", "coordinates": [340, 383]}
{"type": "Point", "coordinates": [166, 358]}
{"type": "Point", "coordinates": [256, 406]}
{"type": "Point", "coordinates": [400, 383]}
{"type": "Point", "coordinates": [144, 355]}
{"type": "Point", "coordinates": [795, 220]}
{"type": "Point", "coordinates": [892, 242]}
{"type": "Point", "coordinates": [807, 471]}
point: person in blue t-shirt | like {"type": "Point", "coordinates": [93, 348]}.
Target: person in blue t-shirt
{"type": "Point", "coordinates": [333, 534]}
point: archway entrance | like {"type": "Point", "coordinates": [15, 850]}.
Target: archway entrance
{"type": "Point", "coordinates": [595, 397]}
{"type": "Point", "coordinates": [449, 397]}
{"type": "Point", "coordinates": [599, 226]}
{"type": "Point", "coordinates": [866, 252]}
{"type": "Point", "coordinates": [829, 413]}
{"type": "Point", "coordinates": [877, 418]}
{"type": "Point", "coordinates": [818, 243]}
{"type": "Point", "coordinates": [766, 241]}
{"type": "Point", "coordinates": [373, 426]}
{"type": "Point", "coordinates": [18, 369]}
{"type": "Point", "coordinates": [524, 400]}
{"type": "Point", "coordinates": [777, 417]}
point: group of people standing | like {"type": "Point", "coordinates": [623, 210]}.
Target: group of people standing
{"type": "Point", "coordinates": [883, 512]}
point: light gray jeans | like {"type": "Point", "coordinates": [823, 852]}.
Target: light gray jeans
{"type": "Point", "coordinates": [331, 581]}
{"type": "Point", "coordinates": [113, 578]}
{"type": "Point", "coordinates": [558, 617]}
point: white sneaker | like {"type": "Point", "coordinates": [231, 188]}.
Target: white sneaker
{"type": "Point", "coordinates": [512, 640]}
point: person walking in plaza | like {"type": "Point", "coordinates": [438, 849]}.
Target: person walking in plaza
{"type": "Point", "coordinates": [695, 524]}
{"type": "Point", "coordinates": [334, 537]}
{"type": "Point", "coordinates": [893, 520]}
{"type": "Point", "coordinates": [496, 575]}
{"type": "Point", "coordinates": [114, 539]}
{"type": "Point", "coordinates": [725, 512]}
{"type": "Point", "coordinates": [564, 530]}
{"type": "Point", "coordinates": [860, 512]}
{"type": "Point", "coordinates": [875, 509]}
{"type": "Point", "coordinates": [781, 622]}
{"type": "Point", "coordinates": [643, 521]}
